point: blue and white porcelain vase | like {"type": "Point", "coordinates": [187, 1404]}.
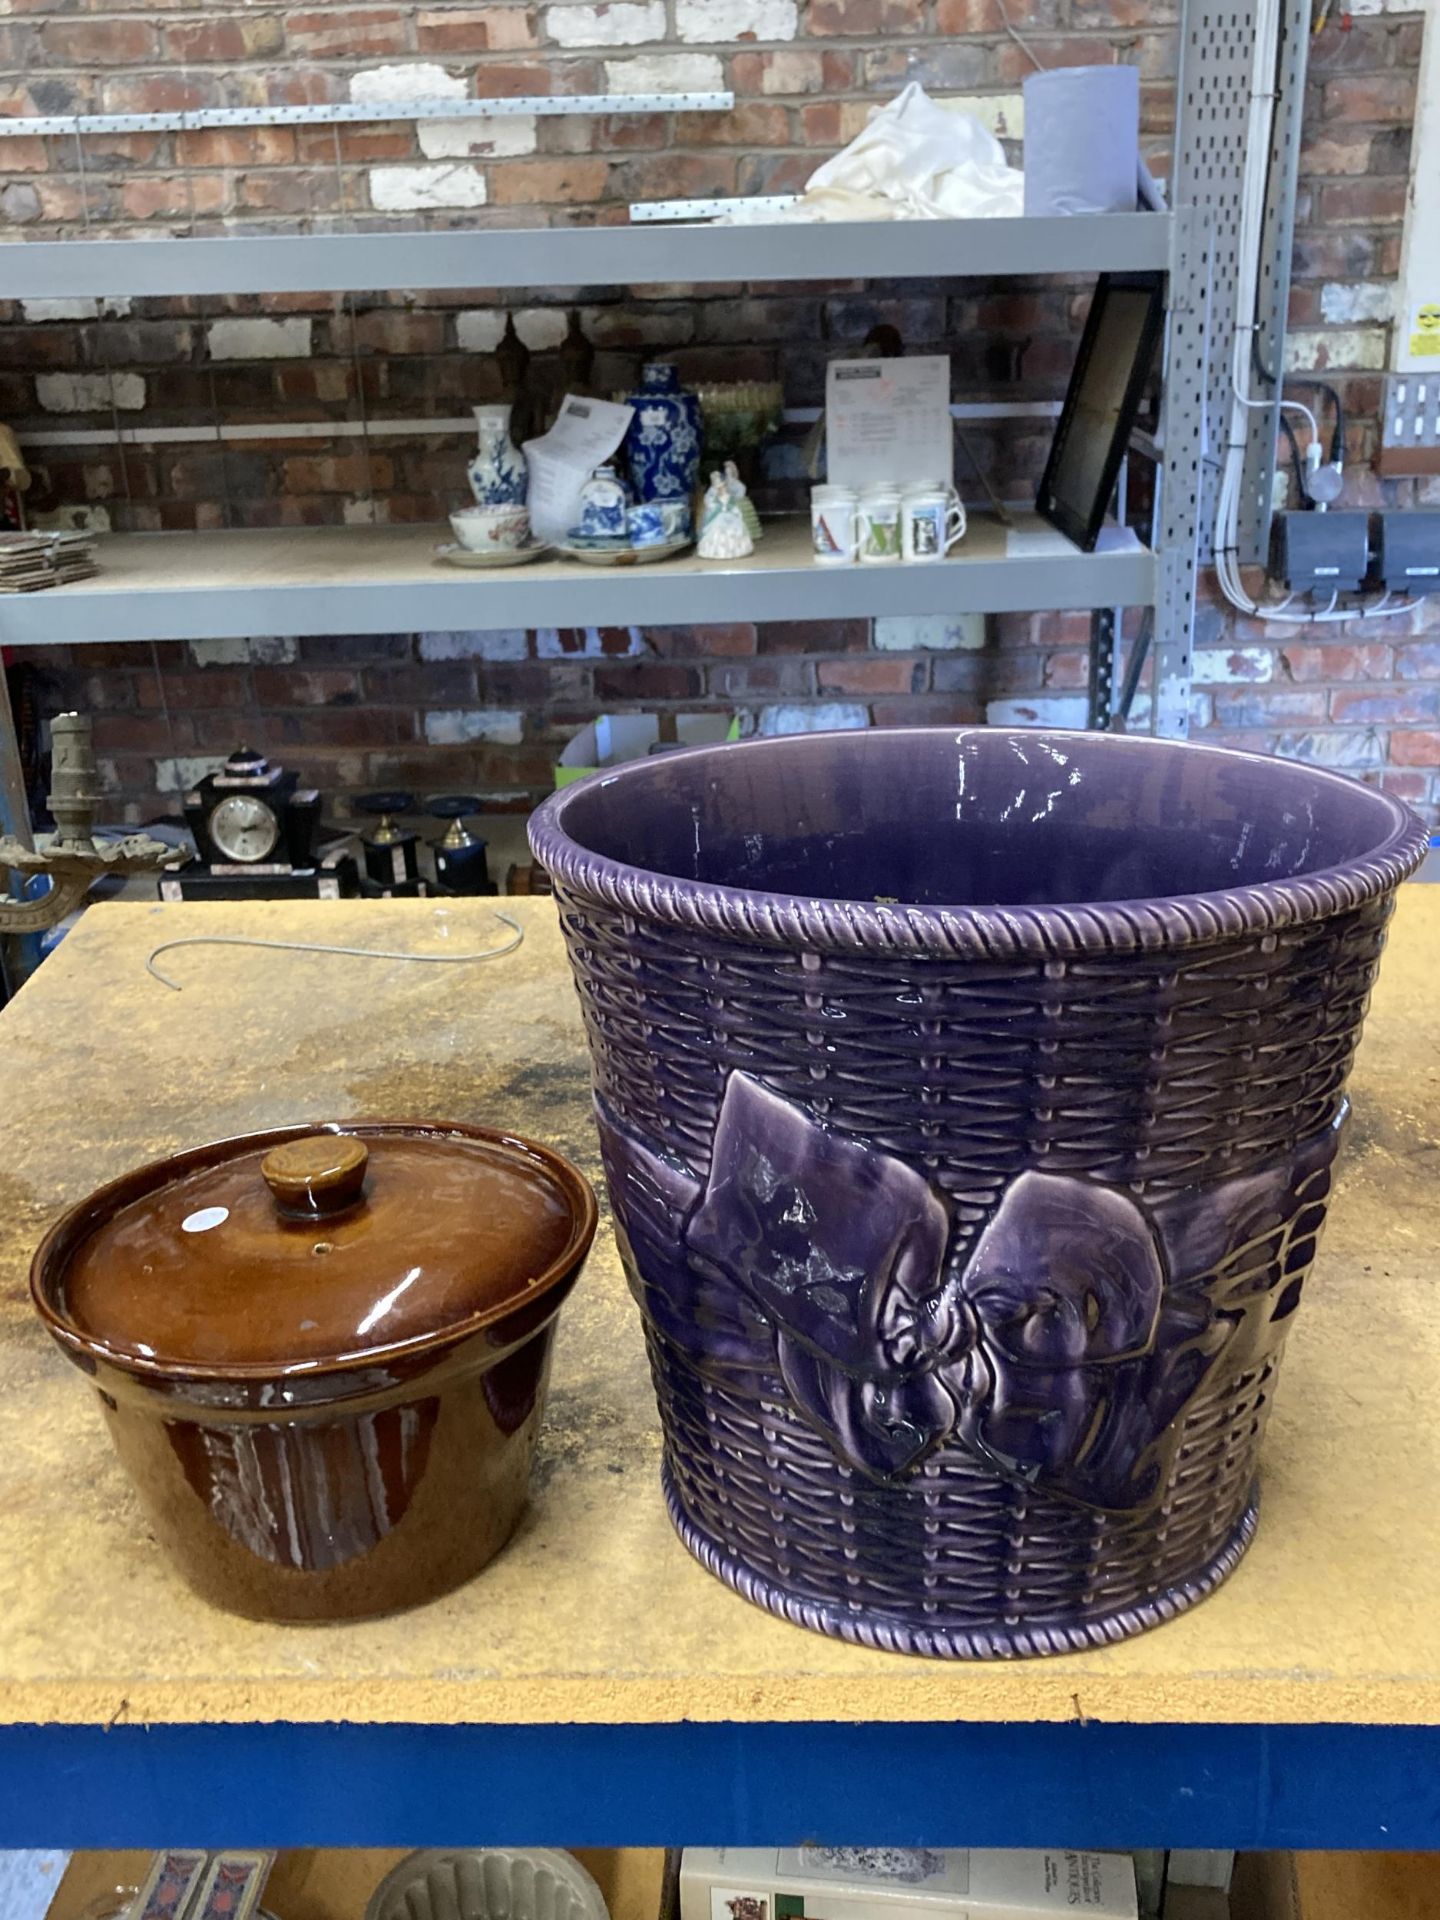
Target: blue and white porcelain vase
{"type": "Point", "coordinates": [498, 474]}
{"type": "Point", "coordinates": [662, 447]}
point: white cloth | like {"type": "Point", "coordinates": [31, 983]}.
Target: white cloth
{"type": "Point", "coordinates": [915, 160]}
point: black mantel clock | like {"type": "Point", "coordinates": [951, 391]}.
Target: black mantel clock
{"type": "Point", "coordinates": [255, 830]}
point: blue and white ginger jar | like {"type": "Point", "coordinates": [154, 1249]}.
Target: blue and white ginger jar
{"type": "Point", "coordinates": [663, 444]}
{"type": "Point", "coordinates": [603, 506]}
{"type": "Point", "coordinates": [498, 474]}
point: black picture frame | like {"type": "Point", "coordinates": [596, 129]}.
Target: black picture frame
{"type": "Point", "coordinates": [1102, 402]}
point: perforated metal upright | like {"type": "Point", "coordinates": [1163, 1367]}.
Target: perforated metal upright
{"type": "Point", "coordinates": [1181, 476]}
{"type": "Point", "coordinates": [1217, 43]}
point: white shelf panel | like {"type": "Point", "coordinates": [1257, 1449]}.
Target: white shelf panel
{"type": "Point", "coordinates": [575, 256]}
{"type": "Point", "coordinates": [190, 586]}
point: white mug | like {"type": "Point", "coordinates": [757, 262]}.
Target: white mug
{"type": "Point", "coordinates": [833, 525]}
{"type": "Point", "coordinates": [932, 521]}
{"type": "Point", "coordinates": [879, 524]}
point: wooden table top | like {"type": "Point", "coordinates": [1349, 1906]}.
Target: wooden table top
{"type": "Point", "coordinates": [596, 1613]}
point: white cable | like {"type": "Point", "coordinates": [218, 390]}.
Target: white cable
{"type": "Point", "coordinates": [1294, 406]}
{"type": "Point", "coordinates": [1333, 615]}
{"type": "Point", "coordinates": [1290, 406]}
{"type": "Point", "coordinates": [1260, 128]}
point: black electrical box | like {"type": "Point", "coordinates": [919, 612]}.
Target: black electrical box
{"type": "Point", "coordinates": [1321, 552]}
{"type": "Point", "coordinates": [1407, 551]}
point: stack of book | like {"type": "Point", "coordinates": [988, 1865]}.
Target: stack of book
{"type": "Point", "coordinates": [30, 561]}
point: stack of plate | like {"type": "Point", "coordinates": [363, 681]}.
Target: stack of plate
{"type": "Point", "coordinates": [25, 563]}
{"type": "Point", "coordinates": [72, 555]}
{"type": "Point", "coordinates": [31, 561]}
{"type": "Point", "coordinates": [598, 552]}
{"type": "Point", "coordinates": [454, 555]}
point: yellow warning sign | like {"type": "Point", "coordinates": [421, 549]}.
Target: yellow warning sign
{"type": "Point", "coordinates": [1425, 337]}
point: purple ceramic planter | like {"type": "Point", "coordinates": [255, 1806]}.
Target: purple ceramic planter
{"type": "Point", "coordinates": [968, 1103]}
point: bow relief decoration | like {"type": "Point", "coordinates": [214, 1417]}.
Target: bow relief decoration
{"type": "Point", "coordinates": [1059, 1346]}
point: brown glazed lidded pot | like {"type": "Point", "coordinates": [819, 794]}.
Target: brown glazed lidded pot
{"type": "Point", "coordinates": [322, 1353]}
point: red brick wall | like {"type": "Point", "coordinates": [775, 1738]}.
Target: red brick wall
{"type": "Point", "coordinates": [490, 711]}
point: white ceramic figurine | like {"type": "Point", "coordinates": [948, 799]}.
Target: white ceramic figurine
{"type": "Point", "coordinates": [723, 533]}
{"type": "Point", "coordinates": [740, 493]}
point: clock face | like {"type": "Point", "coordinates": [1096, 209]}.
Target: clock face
{"type": "Point", "coordinates": [244, 828]}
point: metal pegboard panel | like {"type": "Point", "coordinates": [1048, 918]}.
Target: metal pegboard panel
{"type": "Point", "coordinates": [1171, 666]}
{"type": "Point", "coordinates": [1183, 492]}
{"type": "Point", "coordinates": [1272, 304]}
{"type": "Point", "coordinates": [1212, 100]}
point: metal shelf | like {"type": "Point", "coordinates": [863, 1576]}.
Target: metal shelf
{"type": "Point", "coordinates": [573, 256]}
{"type": "Point", "coordinates": [184, 586]}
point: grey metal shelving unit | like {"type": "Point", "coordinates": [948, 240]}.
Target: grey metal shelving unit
{"type": "Point", "coordinates": [165, 586]}
{"type": "Point", "coordinates": [325, 580]}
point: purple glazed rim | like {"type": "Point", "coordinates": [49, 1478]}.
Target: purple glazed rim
{"type": "Point", "coordinates": [978, 932]}
{"type": "Point", "coordinates": [873, 1628]}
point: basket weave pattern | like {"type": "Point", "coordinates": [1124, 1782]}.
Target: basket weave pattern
{"type": "Point", "coordinates": [960, 1561]}
{"type": "Point", "coordinates": [1193, 1081]}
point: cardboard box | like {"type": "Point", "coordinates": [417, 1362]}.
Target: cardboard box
{"type": "Point", "coordinates": [1195, 1903]}
{"type": "Point", "coordinates": [614, 738]}
{"type": "Point", "coordinates": [902, 1883]}
{"type": "Point", "coordinates": [1335, 1886]}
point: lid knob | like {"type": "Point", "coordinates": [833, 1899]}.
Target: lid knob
{"type": "Point", "coordinates": [322, 1173]}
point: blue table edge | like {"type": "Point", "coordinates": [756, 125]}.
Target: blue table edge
{"type": "Point", "coordinates": [1072, 1784]}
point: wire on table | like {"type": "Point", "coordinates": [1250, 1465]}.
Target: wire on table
{"type": "Point", "coordinates": [349, 953]}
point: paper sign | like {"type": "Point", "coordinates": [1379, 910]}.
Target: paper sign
{"type": "Point", "coordinates": [585, 433]}
{"type": "Point", "coordinates": [889, 420]}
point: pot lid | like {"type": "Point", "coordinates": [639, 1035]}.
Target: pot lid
{"type": "Point", "coordinates": [297, 1248]}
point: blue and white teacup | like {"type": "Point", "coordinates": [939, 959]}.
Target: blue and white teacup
{"type": "Point", "coordinates": [676, 518]}
{"type": "Point", "coordinates": [646, 525]}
